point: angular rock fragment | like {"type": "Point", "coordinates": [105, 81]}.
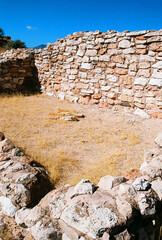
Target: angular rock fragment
{"type": "Point", "coordinates": [90, 219]}
{"type": "Point", "coordinates": [141, 184]}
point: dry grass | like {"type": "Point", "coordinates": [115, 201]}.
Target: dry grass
{"type": "Point", "coordinates": [102, 143]}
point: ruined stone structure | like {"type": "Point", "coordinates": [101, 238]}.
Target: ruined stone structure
{"type": "Point", "coordinates": [116, 208]}
{"type": "Point", "coordinates": [106, 69]}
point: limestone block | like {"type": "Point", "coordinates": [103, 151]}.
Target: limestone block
{"type": "Point", "coordinates": [7, 207]}
{"type": "Point", "coordinates": [91, 53]}
{"type": "Point", "coordinates": [71, 77]}
{"type": "Point", "coordinates": [157, 187]}
{"type": "Point", "coordinates": [105, 58]}
{"type": "Point", "coordinates": [129, 51]}
{"type": "Point", "coordinates": [99, 40]}
{"type": "Point", "coordinates": [124, 44]}
{"type": "Point", "coordinates": [141, 81]}
{"type": "Point", "coordinates": [133, 67]}
{"type": "Point", "coordinates": [124, 207]}
{"type": "Point", "coordinates": [144, 73]}
{"type": "Point", "coordinates": [82, 86]}
{"type": "Point", "coordinates": [144, 65]}
{"type": "Point", "coordinates": [85, 59]}
{"type": "Point", "coordinates": [80, 53]}
{"type": "Point", "coordinates": [128, 92]}
{"type": "Point", "coordinates": [157, 74]}
{"type": "Point", "coordinates": [121, 71]}
{"type": "Point", "coordinates": [157, 65]}
{"type": "Point", "coordinates": [112, 78]}
{"type": "Point", "coordinates": [105, 88]}
{"type": "Point", "coordinates": [155, 82]}
{"type": "Point", "coordinates": [85, 186]}
{"type": "Point", "coordinates": [82, 75]}
{"type": "Point", "coordinates": [85, 92]}
{"type": "Point", "coordinates": [98, 70]}
{"type": "Point", "coordinates": [146, 58]}
{"type": "Point", "coordinates": [87, 66]}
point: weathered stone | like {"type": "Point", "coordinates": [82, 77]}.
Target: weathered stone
{"type": "Point", "coordinates": [155, 82]}
{"type": "Point", "coordinates": [96, 221]}
{"type": "Point", "coordinates": [124, 44]}
{"type": "Point", "coordinates": [91, 53]}
{"type": "Point", "coordinates": [112, 78]}
{"type": "Point", "coordinates": [146, 204]}
{"type": "Point", "coordinates": [105, 88]}
{"type": "Point", "coordinates": [157, 65]}
{"type": "Point", "coordinates": [45, 230]}
{"type": "Point", "coordinates": [141, 184]}
{"type": "Point", "coordinates": [144, 65]}
{"type": "Point", "coordinates": [144, 73]}
{"type": "Point", "coordinates": [105, 58]}
{"type": "Point", "coordinates": [6, 145]}
{"type": "Point", "coordinates": [141, 113]}
{"type": "Point", "coordinates": [80, 53]}
{"type": "Point", "coordinates": [141, 81]}
{"type": "Point", "coordinates": [7, 207]}
{"type": "Point", "coordinates": [57, 205]}
{"type": "Point", "coordinates": [85, 186]}
{"type": "Point", "coordinates": [86, 66]}
{"type": "Point", "coordinates": [157, 74]}
{"type": "Point", "coordinates": [146, 58]}
{"type": "Point", "coordinates": [157, 187]}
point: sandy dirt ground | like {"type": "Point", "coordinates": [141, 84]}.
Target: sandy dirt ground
{"type": "Point", "coordinates": [104, 142]}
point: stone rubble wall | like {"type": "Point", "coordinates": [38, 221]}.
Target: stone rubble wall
{"type": "Point", "coordinates": [116, 208]}
{"type": "Point", "coordinates": [107, 69]}
{"type": "Point", "coordinates": [17, 71]}
{"type": "Point", "coordinates": [112, 68]}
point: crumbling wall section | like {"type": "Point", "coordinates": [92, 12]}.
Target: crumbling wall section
{"type": "Point", "coordinates": [18, 71]}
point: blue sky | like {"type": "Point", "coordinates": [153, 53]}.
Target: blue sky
{"type": "Point", "coordinates": [35, 22]}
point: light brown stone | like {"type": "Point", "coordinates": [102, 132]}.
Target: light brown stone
{"type": "Point", "coordinates": [121, 71]}
{"type": "Point", "coordinates": [126, 98]}
{"type": "Point", "coordinates": [97, 96]}
{"type": "Point", "coordinates": [118, 59]}
{"type": "Point", "coordinates": [84, 100]}
{"type": "Point", "coordinates": [126, 79]}
{"type": "Point", "coordinates": [103, 105]}
{"type": "Point", "coordinates": [102, 51]}
{"type": "Point", "coordinates": [112, 46]}
{"type": "Point", "coordinates": [141, 51]}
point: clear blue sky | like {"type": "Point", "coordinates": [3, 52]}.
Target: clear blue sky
{"type": "Point", "coordinates": [49, 20]}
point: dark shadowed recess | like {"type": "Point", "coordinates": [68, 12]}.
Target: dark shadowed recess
{"type": "Point", "coordinates": [21, 69]}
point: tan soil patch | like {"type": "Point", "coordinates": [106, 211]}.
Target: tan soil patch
{"type": "Point", "coordinates": [104, 142]}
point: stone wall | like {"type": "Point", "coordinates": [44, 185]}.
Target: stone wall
{"type": "Point", "coordinates": [106, 69]}
{"type": "Point", "coordinates": [18, 71]}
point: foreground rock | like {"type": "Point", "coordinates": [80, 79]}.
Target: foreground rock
{"type": "Point", "coordinates": [20, 182]}
{"type": "Point", "coordinates": [118, 208]}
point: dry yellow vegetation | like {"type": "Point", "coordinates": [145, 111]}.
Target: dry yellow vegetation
{"type": "Point", "coordinates": [104, 142]}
